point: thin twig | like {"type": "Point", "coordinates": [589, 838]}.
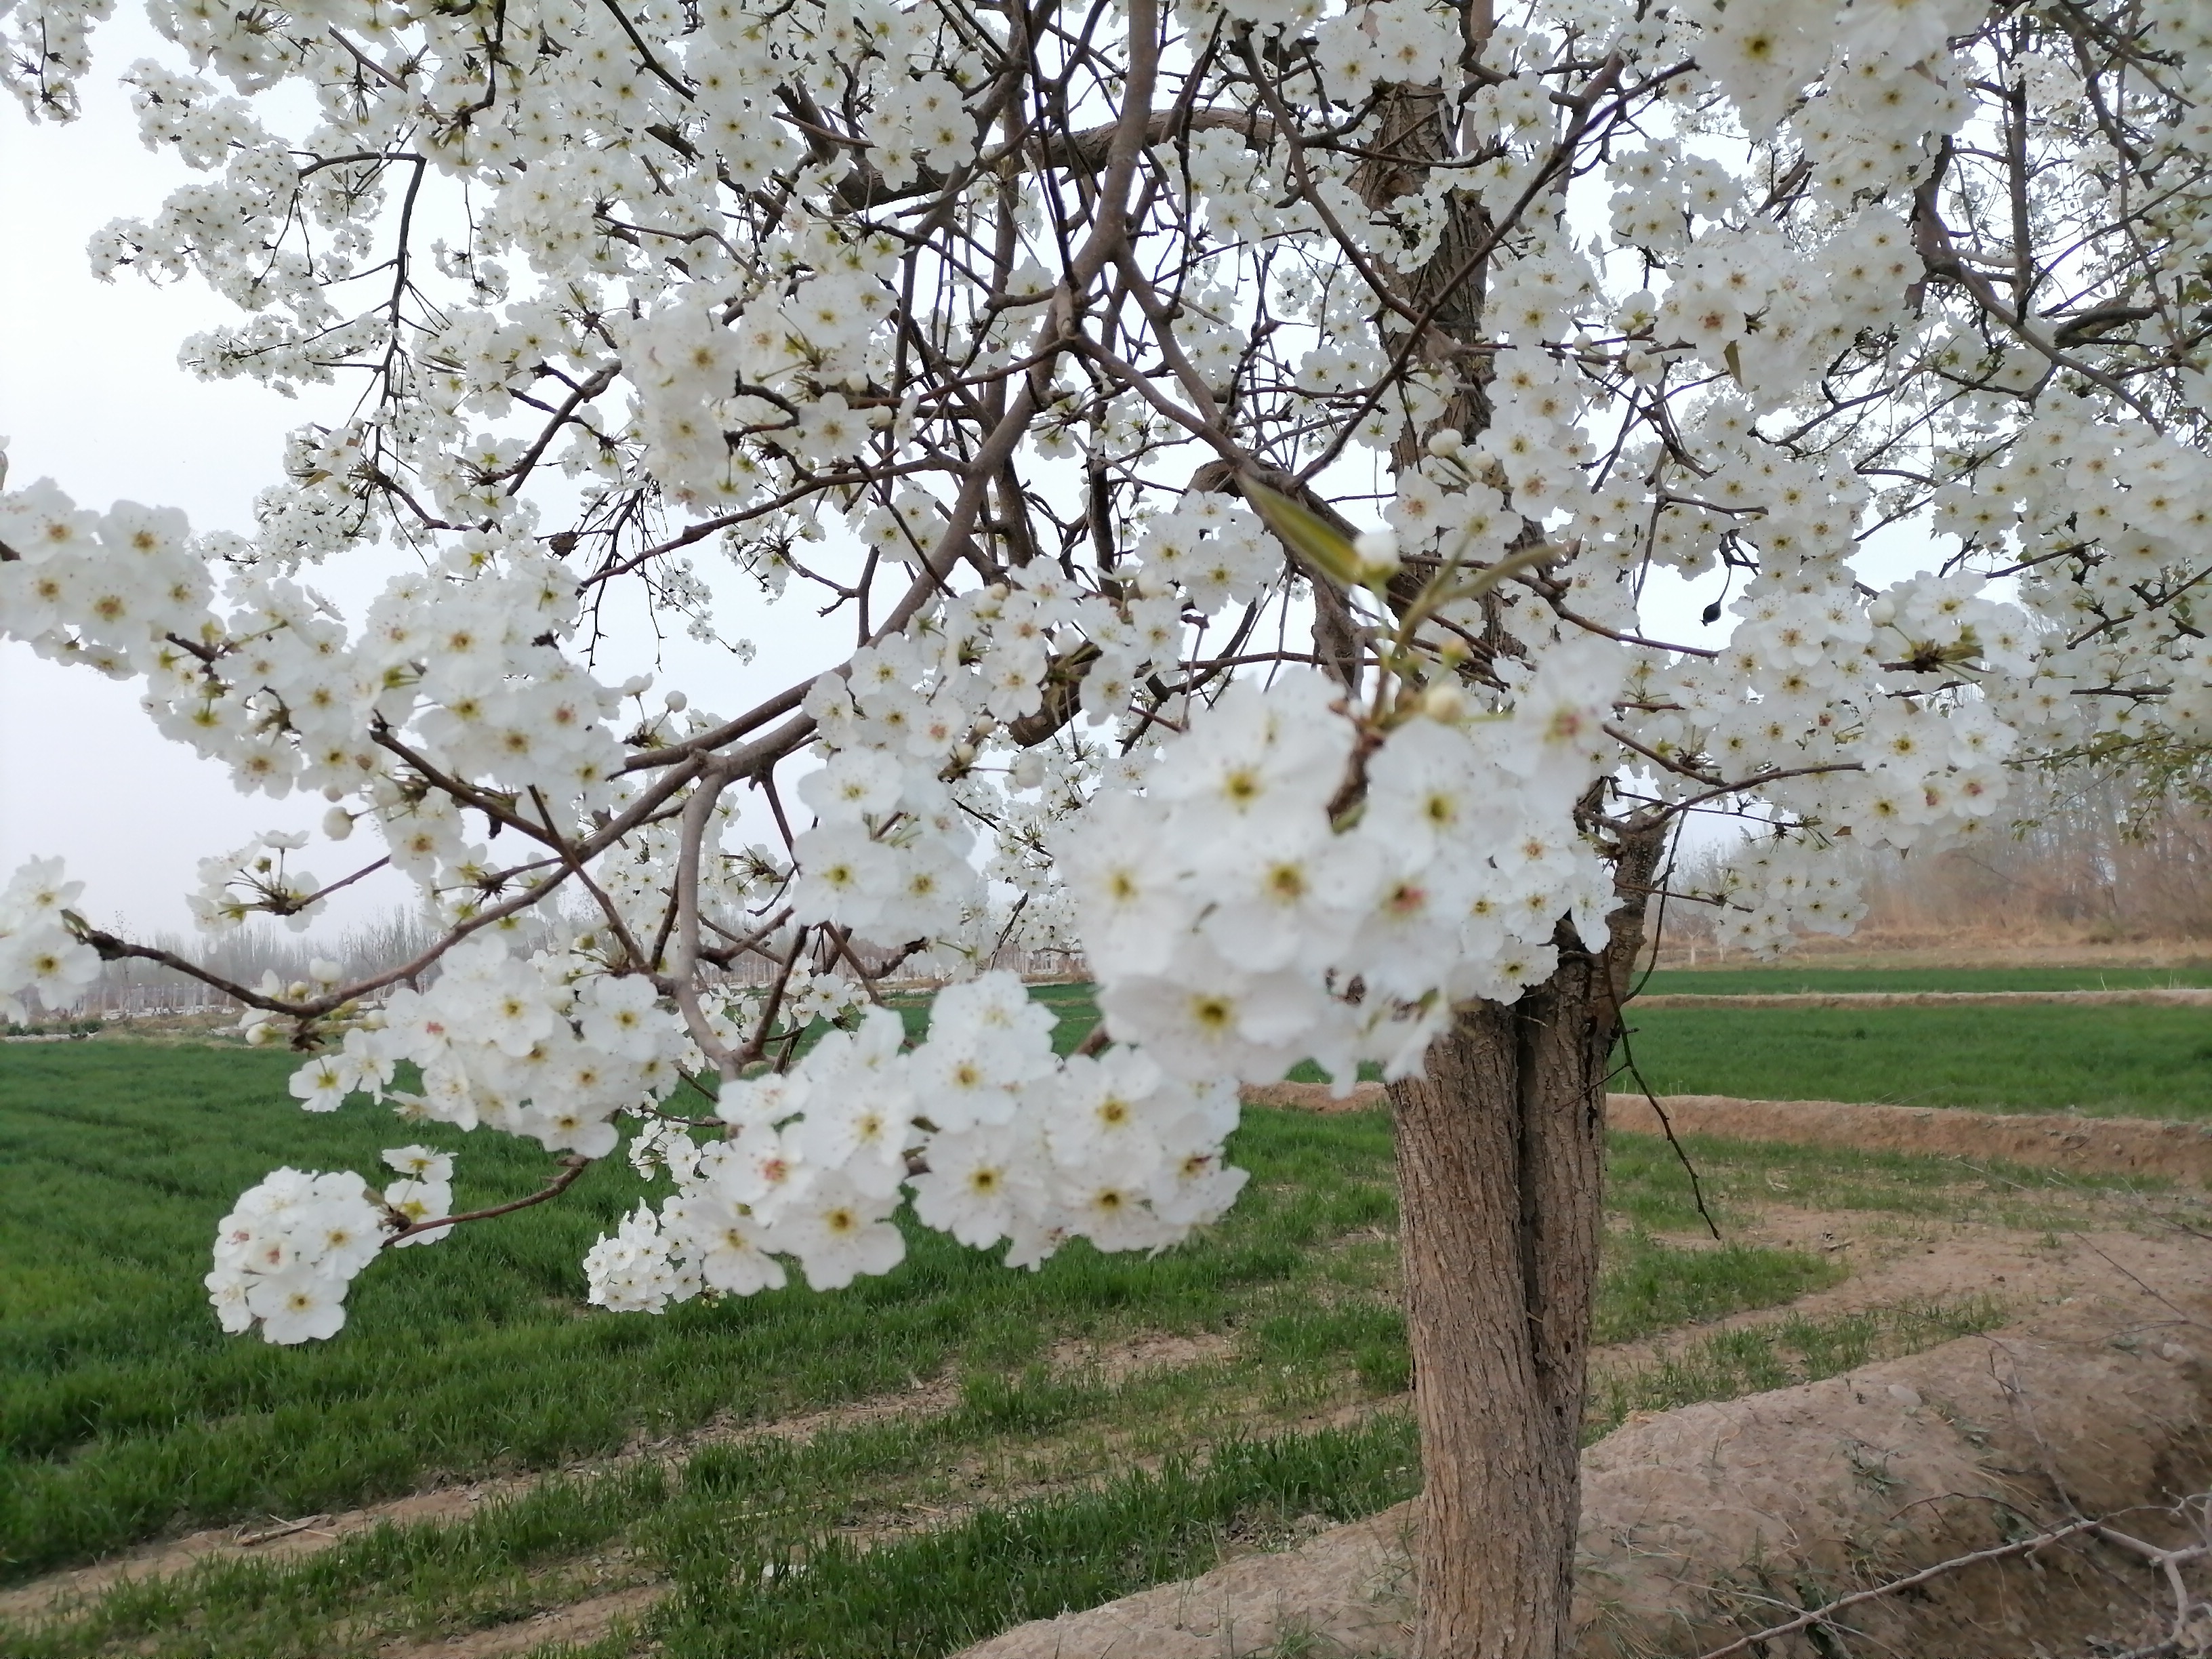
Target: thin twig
{"type": "Point", "coordinates": [1820, 1615]}
{"type": "Point", "coordinates": [270, 1534]}
{"type": "Point", "coordinates": [1667, 1126]}
{"type": "Point", "coordinates": [571, 1166]}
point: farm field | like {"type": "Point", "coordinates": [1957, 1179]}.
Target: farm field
{"type": "Point", "coordinates": [945, 1450]}
{"type": "Point", "coordinates": [2111, 1061]}
{"type": "Point", "coordinates": [1790, 978]}
{"type": "Point", "coordinates": [126, 1411]}
{"type": "Point", "coordinates": [2107, 1061]}
{"type": "Point", "coordinates": [907, 1467]}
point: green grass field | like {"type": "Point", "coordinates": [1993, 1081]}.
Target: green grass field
{"type": "Point", "coordinates": [124, 1412]}
{"type": "Point", "coordinates": [2110, 1060]}
{"type": "Point", "coordinates": [1033, 1483]}
{"type": "Point", "coordinates": [1787, 979]}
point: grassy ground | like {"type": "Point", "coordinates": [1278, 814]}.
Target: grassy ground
{"type": "Point", "coordinates": [123, 1412]}
{"type": "Point", "coordinates": [1077, 1010]}
{"type": "Point", "coordinates": [2106, 1060]}
{"type": "Point", "coordinates": [1021, 1479]}
{"type": "Point", "coordinates": [1786, 979]}
{"type": "Point", "coordinates": [1037, 1482]}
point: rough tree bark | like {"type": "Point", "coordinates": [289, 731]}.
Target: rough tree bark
{"type": "Point", "coordinates": [1501, 1172]}
{"type": "Point", "coordinates": [1501, 1145]}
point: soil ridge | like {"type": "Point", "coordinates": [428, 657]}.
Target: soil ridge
{"type": "Point", "coordinates": [2145, 1147]}
{"type": "Point", "coordinates": [1698, 1523]}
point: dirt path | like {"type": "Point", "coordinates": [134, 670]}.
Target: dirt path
{"type": "Point", "coordinates": [1953, 948]}
{"type": "Point", "coordinates": [576, 1624]}
{"type": "Point", "coordinates": [2101, 1145]}
{"type": "Point", "coordinates": [2104, 1145]}
{"type": "Point", "coordinates": [1899, 1262]}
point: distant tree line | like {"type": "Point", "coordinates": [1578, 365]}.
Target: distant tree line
{"type": "Point", "coordinates": [2103, 857]}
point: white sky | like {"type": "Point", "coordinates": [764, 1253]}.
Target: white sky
{"type": "Point", "coordinates": [90, 394]}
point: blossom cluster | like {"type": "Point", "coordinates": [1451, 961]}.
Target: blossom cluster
{"type": "Point", "coordinates": [532, 1046]}
{"type": "Point", "coordinates": [529, 1045]}
{"type": "Point", "coordinates": [423, 1195]}
{"type": "Point", "coordinates": [255, 880]}
{"type": "Point", "coordinates": [1229, 907]}
{"type": "Point", "coordinates": [284, 1257]}
{"type": "Point", "coordinates": [890, 853]}
{"type": "Point", "coordinates": [462, 667]}
{"type": "Point", "coordinates": [39, 954]}
{"type": "Point", "coordinates": [995, 1140]}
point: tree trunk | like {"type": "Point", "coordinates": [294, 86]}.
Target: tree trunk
{"type": "Point", "coordinates": [1501, 1173]}
{"type": "Point", "coordinates": [1501, 1146]}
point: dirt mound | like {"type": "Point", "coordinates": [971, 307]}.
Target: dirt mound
{"type": "Point", "coordinates": [2154, 998]}
{"type": "Point", "coordinates": [2103, 1145]}
{"type": "Point", "coordinates": [1314, 1097]}
{"type": "Point", "coordinates": [1709, 1521]}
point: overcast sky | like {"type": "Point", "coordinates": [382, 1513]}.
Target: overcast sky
{"type": "Point", "coordinates": [90, 394]}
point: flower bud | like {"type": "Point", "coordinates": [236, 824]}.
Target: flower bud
{"type": "Point", "coordinates": [1376, 553]}
{"type": "Point", "coordinates": [1444, 702]}
{"type": "Point", "coordinates": [337, 823]}
{"type": "Point", "coordinates": [677, 702]}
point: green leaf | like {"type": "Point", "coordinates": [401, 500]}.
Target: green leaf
{"type": "Point", "coordinates": [1306, 534]}
{"type": "Point", "coordinates": [1510, 566]}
